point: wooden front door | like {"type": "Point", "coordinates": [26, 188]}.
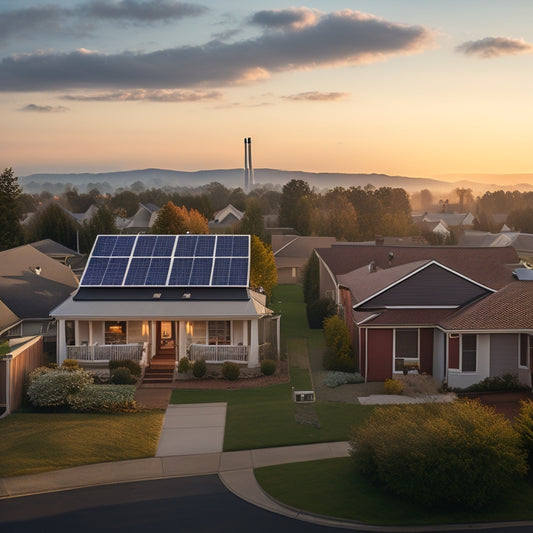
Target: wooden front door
{"type": "Point", "coordinates": [166, 338]}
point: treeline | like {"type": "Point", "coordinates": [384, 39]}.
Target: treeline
{"type": "Point", "coordinates": [354, 214]}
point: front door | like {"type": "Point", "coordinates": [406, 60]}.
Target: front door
{"type": "Point", "coordinates": [166, 338]}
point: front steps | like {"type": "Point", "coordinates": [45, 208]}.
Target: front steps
{"type": "Point", "coordinates": [161, 370]}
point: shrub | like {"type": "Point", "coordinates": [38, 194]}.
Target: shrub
{"type": "Point", "coordinates": [268, 367]}
{"type": "Point", "coordinates": [122, 376]}
{"type": "Point", "coordinates": [339, 364]}
{"type": "Point", "coordinates": [70, 364]}
{"type": "Point", "coordinates": [319, 310]}
{"type": "Point", "coordinates": [505, 382]}
{"type": "Point", "coordinates": [52, 388]}
{"type": "Point", "coordinates": [104, 399]}
{"type": "Point", "coordinates": [339, 354]}
{"type": "Point", "coordinates": [39, 371]}
{"type": "Point", "coordinates": [334, 379]}
{"type": "Point", "coordinates": [452, 455]}
{"type": "Point", "coordinates": [132, 366]}
{"type": "Point", "coordinates": [199, 368]}
{"type": "Point", "coordinates": [230, 370]}
{"type": "Point", "coordinates": [393, 386]}
{"type": "Point", "coordinates": [184, 365]}
{"type": "Point", "coordinates": [524, 427]}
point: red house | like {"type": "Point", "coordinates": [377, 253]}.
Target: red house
{"type": "Point", "coordinates": [406, 307]}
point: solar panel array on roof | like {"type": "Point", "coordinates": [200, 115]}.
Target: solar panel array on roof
{"type": "Point", "coordinates": [168, 260]}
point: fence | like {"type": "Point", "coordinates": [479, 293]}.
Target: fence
{"type": "Point", "coordinates": [218, 353]}
{"type": "Point", "coordinates": [106, 352]}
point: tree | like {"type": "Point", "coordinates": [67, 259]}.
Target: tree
{"type": "Point", "coordinates": [263, 273]}
{"type": "Point", "coordinates": [173, 220]}
{"type": "Point", "coordinates": [291, 194]}
{"type": "Point", "coordinates": [237, 198]}
{"type": "Point", "coordinates": [311, 280]}
{"type": "Point", "coordinates": [11, 233]}
{"type": "Point", "coordinates": [521, 220]}
{"type": "Point", "coordinates": [102, 223]}
{"type": "Point", "coordinates": [54, 223]}
{"type": "Point", "coordinates": [252, 221]}
{"type": "Point", "coordinates": [126, 200]}
{"type": "Point", "coordinates": [465, 197]}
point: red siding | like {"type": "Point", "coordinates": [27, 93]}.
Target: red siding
{"type": "Point", "coordinates": [379, 356]}
{"type": "Point", "coordinates": [426, 351]}
{"type": "Point", "coordinates": [453, 352]}
{"type": "Point", "coordinates": [362, 351]}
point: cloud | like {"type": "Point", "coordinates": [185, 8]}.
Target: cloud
{"type": "Point", "coordinates": [341, 38]}
{"type": "Point", "coordinates": [495, 47]}
{"type": "Point", "coordinates": [133, 10]}
{"type": "Point", "coordinates": [316, 96]}
{"type": "Point", "coordinates": [44, 108]}
{"type": "Point", "coordinates": [160, 95]}
{"type": "Point", "coordinates": [72, 21]}
{"type": "Point", "coordinates": [292, 18]}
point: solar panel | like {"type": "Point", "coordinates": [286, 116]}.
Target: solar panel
{"type": "Point", "coordinates": [168, 260]}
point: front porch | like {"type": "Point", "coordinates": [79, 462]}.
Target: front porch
{"type": "Point", "coordinates": [100, 341]}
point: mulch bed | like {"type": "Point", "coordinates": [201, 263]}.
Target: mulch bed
{"type": "Point", "coordinates": [280, 376]}
{"type": "Point", "coordinates": [505, 403]}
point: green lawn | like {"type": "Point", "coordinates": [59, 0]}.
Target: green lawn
{"type": "Point", "coordinates": [333, 487]}
{"type": "Point", "coordinates": [37, 442]}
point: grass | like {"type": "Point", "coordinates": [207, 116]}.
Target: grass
{"type": "Point", "coordinates": [334, 487]}
{"type": "Point", "coordinates": [38, 442]}
{"type": "Point", "coordinates": [4, 348]}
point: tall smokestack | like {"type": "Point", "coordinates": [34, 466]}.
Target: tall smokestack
{"type": "Point", "coordinates": [251, 179]}
{"type": "Point", "coordinates": [246, 166]}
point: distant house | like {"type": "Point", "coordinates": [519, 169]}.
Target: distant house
{"type": "Point", "coordinates": [451, 220]}
{"type": "Point", "coordinates": [154, 297]}
{"type": "Point", "coordinates": [31, 285]}
{"type": "Point", "coordinates": [141, 221]}
{"type": "Point", "coordinates": [226, 218]}
{"type": "Point", "coordinates": [454, 313]}
{"type": "Point", "coordinates": [291, 253]}
{"type": "Point", "coordinates": [521, 242]}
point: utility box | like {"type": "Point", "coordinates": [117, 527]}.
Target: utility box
{"type": "Point", "coordinates": [303, 396]}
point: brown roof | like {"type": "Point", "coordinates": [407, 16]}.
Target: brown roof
{"type": "Point", "coordinates": [296, 246]}
{"type": "Point", "coordinates": [511, 308]}
{"type": "Point", "coordinates": [488, 266]}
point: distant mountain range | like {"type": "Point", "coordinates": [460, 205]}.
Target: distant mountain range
{"type": "Point", "coordinates": [232, 178]}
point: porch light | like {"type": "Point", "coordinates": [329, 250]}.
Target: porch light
{"type": "Point", "coordinates": [145, 330]}
{"type": "Point", "coordinates": [115, 329]}
{"type": "Point", "coordinates": [189, 328]}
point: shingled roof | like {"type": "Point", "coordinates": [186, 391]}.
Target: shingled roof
{"type": "Point", "coordinates": [491, 267]}
{"type": "Point", "coordinates": [508, 309]}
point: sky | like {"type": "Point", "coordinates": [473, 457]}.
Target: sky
{"type": "Point", "coordinates": [415, 88]}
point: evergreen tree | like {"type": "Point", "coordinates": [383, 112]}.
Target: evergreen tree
{"type": "Point", "coordinates": [102, 223]}
{"type": "Point", "coordinates": [292, 192]}
{"type": "Point", "coordinates": [54, 223]}
{"type": "Point", "coordinates": [252, 222]}
{"type": "Point", "coordinates": [11, 233]}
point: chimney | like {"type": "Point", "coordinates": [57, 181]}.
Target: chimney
{"type": "Point", "coordinates": [246, 166]}
{"type": "Point", "coordinates": [380, 240]}
{"type": "Point", "coordinates": [372, 267]}
{"type": "Point", "coordinates": [251, 179]}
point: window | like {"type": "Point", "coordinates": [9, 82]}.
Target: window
{"type": "Point", "coordinates": [115, 332]}
{"type": "Point", "coordinates": [524, 350]}
{"type": "Point", "coordinates": [70, 335]}
{"type": "Point", "coordinates": [468, 353]}
{"type": "Point", "coordinates": [406, 352]}
{"type": "Point", "coordinates": [219, 331]}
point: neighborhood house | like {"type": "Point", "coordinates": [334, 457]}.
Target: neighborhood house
{"type": "Point", "coordinates": [458, 314]}
{"type": "Point", "coordinates": [145, 297]}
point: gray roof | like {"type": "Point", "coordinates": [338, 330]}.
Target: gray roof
{"type": "Point", "coordinates": [296, 246]}
{"type": "Point", "coordinates": [7, 317]}
{"type": "Point", "coordinates": [53, 249]}
{"type": "Point", "coordinates": [160, 309]}
{"type": "Point", "coordinates": [27, 293]}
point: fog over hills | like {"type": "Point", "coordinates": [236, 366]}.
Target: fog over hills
{"type": "Point", "coordinates": [232, 178]}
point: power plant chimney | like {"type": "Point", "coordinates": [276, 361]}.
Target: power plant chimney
{"type": "Point", "coordinates": [249, 179]}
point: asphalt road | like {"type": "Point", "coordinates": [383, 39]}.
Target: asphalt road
{"type": "Point", "coordinates": [187, 504]}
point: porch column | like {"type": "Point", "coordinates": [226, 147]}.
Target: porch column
{"type": "Point", "coordinates": [245, 333]}
{"type": "Point", "coordinates": [253, 355]}
{"type": "Point", "coordinates": [153, 339]}
{"type": "Point", "coordinates": [76, 332]}
{"type": "Point", "coordinates": [182, 336]}
{"type": "Point", "coordinates": [91, 342]}
{"type": "Point", "coordinates": [61, 342]}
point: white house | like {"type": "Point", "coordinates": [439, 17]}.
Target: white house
{"type": "Point", "coordinates": [167, 296]}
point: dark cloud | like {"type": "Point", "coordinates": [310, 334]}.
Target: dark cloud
{"type": "Point", "coordinates": [294, 18]}
{"type": "Point", "coordinates": [71, 21]}
{"type": "Point", "coordinates": [133, 10]}
{"type": "Point", "coordinates": [147, 95]}
{"type": "Point", "coordinates": [495, 47]}
{"type": "Point", "coordinates": [28, 20]}
{"type": "Point", "coordinates": [316, 96]}
{"type": "Point", "coordinates": [342, 38]}
{"type": "Point", "coordinates": [44, 108]}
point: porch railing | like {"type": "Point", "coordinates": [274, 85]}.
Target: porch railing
{"type": "Point", "coordinates": [218, 353]}
{"type": "Point", "coordinates": [106, 352]}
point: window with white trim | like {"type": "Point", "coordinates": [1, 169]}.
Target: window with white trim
{"type": "Point", "coordinates": [406, 349]}
{"type": "Point", "coordinates": [525, 346]}
{"type": "Point", "coordinates": [468, 353]}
